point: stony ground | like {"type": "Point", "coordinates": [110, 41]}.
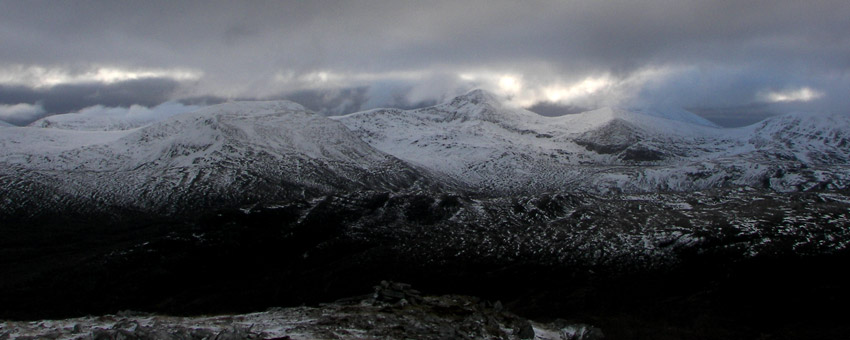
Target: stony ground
{"type": "Point", "coordinates": [394, 311]}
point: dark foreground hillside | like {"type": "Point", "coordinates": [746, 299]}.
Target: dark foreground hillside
{"type": "Point", "coordinates": [733, 264]}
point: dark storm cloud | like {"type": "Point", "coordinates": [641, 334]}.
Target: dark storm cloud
{"type": "Point", "coordinates": [735, 116]}
{"type": "Point", "coordinates": [379, 35]}
{"type": "Point", "coordinates": [202, 100]}
{"type": "Point", "coordinates": [554, 109]}
{"type": "Point", "coordinates": [73, 97]}
{"type": "Point", "coordinates": [262, 49]}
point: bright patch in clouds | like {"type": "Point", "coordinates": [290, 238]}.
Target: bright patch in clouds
{"type": "Point", "coordinates": [567, 92]}
{"type": "Point", "coordinates": [38, 76]}
{"type": "Point", "coordinates": [804, 94]}
{"type": "Point", "coordinates": [510, 84]}
{"type": "Point", "coordinates": [590, 91]}
{"type": "Point", "coordinates": [519, 87]}
{"type": "Point", "coordinates": [289, 80]}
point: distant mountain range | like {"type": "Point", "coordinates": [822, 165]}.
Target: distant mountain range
{"type": "Point", "coordinates": [252, 152]}
{"type": "Point", "coordinates": [477, 140]}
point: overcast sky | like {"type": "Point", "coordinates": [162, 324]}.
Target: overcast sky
{"type": "Point", "coordinates": [734, 62]}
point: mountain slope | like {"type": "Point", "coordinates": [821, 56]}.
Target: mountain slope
{"type": "Point", "coordinates": [812, 138]}
{"type": "Point", "coordinates": [89, 123]}
{"type": "Point", "coordinates": [473, 139]}
{"type": "Point", "coordinates": [227, 154]}
{"type": "Point", "coordinates": [494, 148]}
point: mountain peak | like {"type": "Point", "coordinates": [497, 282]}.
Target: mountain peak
{"type": "Point", "coordinates": [483, 105]}
{"type": "Point", "coordinates": [476, 97]}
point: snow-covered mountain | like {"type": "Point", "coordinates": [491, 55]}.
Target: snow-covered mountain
{"type": "Point", "coordinates": [478, 140]}
{"type": "Point", "coordinates": [811, 138]}
{"type": "Point", "coordinates": [246, 152]}
{"type": "Point", "coordinates": [99, 118]}
{"type": "Point", "coordinates": [89, 123]}
{"type": "Point", "coordinates": [232, 153]}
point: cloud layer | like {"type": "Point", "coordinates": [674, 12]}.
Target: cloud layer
{"type": "Point", "coordinates": [100, 118]}
{"type": "Point", "coordinates": [20, 114]}
{"type": "Point", "coordinates": [709, 56]}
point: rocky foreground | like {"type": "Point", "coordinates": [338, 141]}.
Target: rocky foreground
{"type": "Point", "coordinates": [394, 311]}
{"type": "Point", "coordinates": [724, 264]}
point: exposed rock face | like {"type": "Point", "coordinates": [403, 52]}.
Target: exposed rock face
{"type": "Point", "coordinates": [396, 292]}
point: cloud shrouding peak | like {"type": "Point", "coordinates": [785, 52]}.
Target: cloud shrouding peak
{"type": "Point", "coordinates": [706, 54]}
{"type": "Point", "coordinates": [100, 118]}
{"type": "Point", "coordinates": [20, 114]}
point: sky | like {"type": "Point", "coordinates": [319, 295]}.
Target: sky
{"type": "Point", "coordinates": [733, 62]}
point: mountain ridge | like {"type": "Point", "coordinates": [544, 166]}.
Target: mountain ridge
{"type": "Point", "coordinates": [247, 152]}
{"type": "Point", "coordinates": [234, 153]}
{"type": "Point", "coordinates": [495, 148]}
